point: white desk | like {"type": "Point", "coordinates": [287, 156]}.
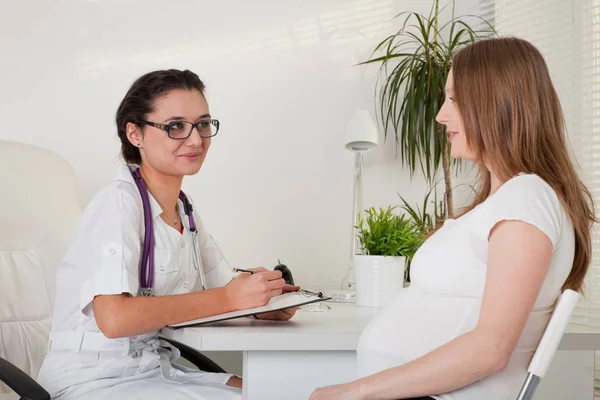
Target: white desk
{"type": "Point", "coordinates": [290, 359]}
{"type": "Point", "coordinates": [313, 349]}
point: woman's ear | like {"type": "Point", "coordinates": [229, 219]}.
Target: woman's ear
{"type": "Point", "coordinates": [134, 134]}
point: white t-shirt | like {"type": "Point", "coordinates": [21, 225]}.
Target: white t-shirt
{"type": "Point", "coordinates": [447, 282]}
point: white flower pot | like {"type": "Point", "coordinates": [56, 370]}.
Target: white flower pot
{"type": "Point", "coordinates": [378, 279]}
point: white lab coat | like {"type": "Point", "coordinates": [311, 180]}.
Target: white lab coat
{"type": "Point", "coordinates": [104, 258]}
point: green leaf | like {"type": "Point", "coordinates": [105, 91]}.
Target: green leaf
{"type": "Point", "coordinates": [382, 232]}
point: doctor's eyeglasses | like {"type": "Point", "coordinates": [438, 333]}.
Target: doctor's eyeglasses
{"type": "Point", "coordinates": [183, 129]}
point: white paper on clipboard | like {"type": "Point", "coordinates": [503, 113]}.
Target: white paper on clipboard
{"type": "Point", "coordinates": [287, 300]}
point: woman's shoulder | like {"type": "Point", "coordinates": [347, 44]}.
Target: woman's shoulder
{"type": "Point", "coordinates": [528, 198]}
{"type": "Point", "coordinates": [522, 180]}
{"type": "Point", "coordinates": [526, 187]}
{"type": "Point", "coordinates": [117, 199]}
{"type": "Point", "coordinates": [121, 193]}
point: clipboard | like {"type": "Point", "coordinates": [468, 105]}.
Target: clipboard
{"type": "Point", "coordinates": [287, 300]}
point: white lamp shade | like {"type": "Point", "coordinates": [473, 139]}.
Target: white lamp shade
{"type": "Point", "coordinates": [361, 133]}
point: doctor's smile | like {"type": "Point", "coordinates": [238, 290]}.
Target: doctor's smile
{"type": "Point", "coordinates": [192, 156]}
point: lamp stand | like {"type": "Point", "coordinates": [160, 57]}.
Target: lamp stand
{"type": "Point", "coordinates": [357, 201]}
{"type": "Point", "coordinates": [347, 293]}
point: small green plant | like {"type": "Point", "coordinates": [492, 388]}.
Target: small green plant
{"type": "Point", "coordinates": [383, 233]}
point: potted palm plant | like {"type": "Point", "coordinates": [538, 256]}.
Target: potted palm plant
{"type": "Point", "coordinates": [388, 242]}
{"type": "Point", "coordinates": [414, 64]}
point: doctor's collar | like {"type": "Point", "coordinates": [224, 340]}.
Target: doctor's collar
{"type": "Point", "coordinates": [124, 174]}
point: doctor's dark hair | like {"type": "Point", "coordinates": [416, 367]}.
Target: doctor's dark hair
{"type": "Point", "coordinates": [140, 98]}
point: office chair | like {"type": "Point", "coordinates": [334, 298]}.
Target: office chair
{"type": "Point", "coordinates": [39, 208]}
{"type": "Point", "coordinates": [549, 343]}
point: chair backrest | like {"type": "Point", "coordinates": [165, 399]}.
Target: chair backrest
{"type": "Point", "coordinates": [549, 343]}
{"type": "Point", "coordinates": [553, 333]}
{"type": "Point", "coordinates": [39, 208]}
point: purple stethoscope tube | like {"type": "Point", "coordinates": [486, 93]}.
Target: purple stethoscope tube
{"type": "Point", "coordinates": [147, 265]}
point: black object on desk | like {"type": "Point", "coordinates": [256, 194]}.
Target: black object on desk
{"type": "Point", "coordinates": [286, 274]}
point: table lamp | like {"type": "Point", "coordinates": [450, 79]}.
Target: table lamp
{"type": "Point", "coordinates": [361, 136]}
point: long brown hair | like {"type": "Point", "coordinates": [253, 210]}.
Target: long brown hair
{"type": "Point", "coordinates": [513, 120]}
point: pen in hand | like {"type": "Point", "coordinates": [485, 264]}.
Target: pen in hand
{"type": "Point", "coordinates": [290, 287]}
{"type": "Point", "coordinates": [243, 270]}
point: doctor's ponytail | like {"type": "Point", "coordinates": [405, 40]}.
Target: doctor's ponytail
{"type": "Point", "coordinates": [139, 102]}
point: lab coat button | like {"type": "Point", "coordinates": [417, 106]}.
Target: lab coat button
{"type": "Point", "coordinates": [162, 268]}
{"type": "Point", "coordinates": [182, 244]}
{"type": "Point", "coordinates": [185, 285]}
{"type": "Point", "coordinates": [112, 251]}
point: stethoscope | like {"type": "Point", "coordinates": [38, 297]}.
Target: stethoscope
{"type": "Point", "coordinates": [147, 267]}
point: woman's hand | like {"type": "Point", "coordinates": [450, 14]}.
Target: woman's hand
{"type": "Point", "coordinates": [337, 392]}
{"type": "Point", "coordinates": [290, 288]}
{"type": "Point", "coordinates": [249, 291]}
{"type": "Point", "coordinates": [281, 315]}
{"type": "Point", "coordinates": [235, 382]}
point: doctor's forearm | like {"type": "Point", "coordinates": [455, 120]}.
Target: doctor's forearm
{"type": "Point", "coordinates": [458, 363]}
{"type": "Point", "coordinates": [122, 315]}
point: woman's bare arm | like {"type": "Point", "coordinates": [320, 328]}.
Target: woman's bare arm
{"type": "Point", "coordinates": [124, 315]}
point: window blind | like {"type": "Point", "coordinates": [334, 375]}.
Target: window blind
{"type": "Point", "coordinates": [487, 10]}
{"type": "Point", "coordinates": [586, 140]}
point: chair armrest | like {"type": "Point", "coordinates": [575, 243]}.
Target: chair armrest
{"type": "Point", "coordinates": [23, 385]}
{"type": "Point", "coordinates": [195, 357]}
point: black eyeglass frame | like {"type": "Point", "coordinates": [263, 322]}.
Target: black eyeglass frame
{"type": "Point", "coordinates": [167, 127]}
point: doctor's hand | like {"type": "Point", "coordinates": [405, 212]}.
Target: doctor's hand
{"type": "Point", "coordinates": [249, 291]}
{"type": "Point", "coordinates": [281, 315]}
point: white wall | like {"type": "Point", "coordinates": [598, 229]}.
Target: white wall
{"type": "Point", "coordinates": [281, 78]}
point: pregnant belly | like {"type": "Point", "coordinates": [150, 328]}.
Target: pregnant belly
{"type": "Point", "coordinates": [414, 324]}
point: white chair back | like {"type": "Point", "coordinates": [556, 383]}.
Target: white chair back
{"type": "Point", "coordinates": [39, 208]}
{"type": "Point", "coordinates": [549, 342]}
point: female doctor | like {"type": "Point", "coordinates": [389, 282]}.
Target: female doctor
{"type": "Point", "coordinates": [104, 342]}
